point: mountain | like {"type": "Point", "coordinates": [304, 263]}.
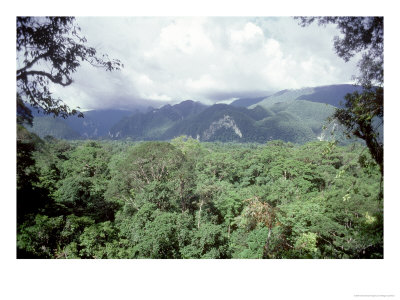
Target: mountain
{"type": "Point", "coordinates": [330, 94]}
{"type": "Point", "coordinates": [301, 114]}
{"type": "Point", "coordinates": [227, 123]}
{"type": "Point", "coordinates": [153, 124]}
{"type": "Point", "coordinates": [95, 124]}
{"type": "Point", "coordinates": [220, 122]}
{"type": "Point", "coordinates": [56, 127]}
{"type": "Point", "coordinates": [310, 114]}
{"type": "Point", "coordinates": [290, 115]}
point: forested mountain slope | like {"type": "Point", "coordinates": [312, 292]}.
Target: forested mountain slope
{"type": "Point", "coordinates": [226, 123]}
{"type": "Point", "coordinates": [290, 115]}
{"type": "Point", "coordinates": [95, 124]}
{"type": "Point", "coordinates": [55, 127]}
{"type": "Point", "coordinates": [330, 94]}
{"type": "Point", "coordinates": [153, 124]}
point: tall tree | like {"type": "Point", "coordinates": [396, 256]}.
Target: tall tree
{"type": "Point", "coordinates": [362, 113]}
{"type": "Point", "coordinates": [260, 212]}
{"type": "Point", "coordinates": [50, 49]}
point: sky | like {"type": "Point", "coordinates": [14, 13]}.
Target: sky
{"type": "Point", "coordinates": [207, 59]}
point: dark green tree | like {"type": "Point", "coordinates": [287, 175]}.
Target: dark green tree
{"type": "Point", "coordinates": [30, 196]}
{"type": "Point", "coordinates": [362, 114]}
{"type": "Point", "coordinates": [154, 172]}
{"type": "Point", "coordinates": [50, 49]}
{"type": "Point", "coordinates": [84, 178]}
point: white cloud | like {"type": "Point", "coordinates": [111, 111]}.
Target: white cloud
{"type": "Point", "coordinates": [272, 48]}
{"type": "Point", "coordinates": [204, 82]}
{"type": "Point", "coordinates": [156, 96]}
{"type": "Point", "coordinates": [205, 59]}
{"type": "Point", "coordinates": [227, 101]}
{"type": "Point", "coordinates": [143, 79]}
{"type": "Point", "coordinates": [249, 34]}
{"type": "Point", "coordinates": [185, 35]}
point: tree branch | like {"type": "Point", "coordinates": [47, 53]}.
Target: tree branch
{"type": "Point", "coordinates": [24, 75]}
{"type": "Point", "coordinates": [30, 64]}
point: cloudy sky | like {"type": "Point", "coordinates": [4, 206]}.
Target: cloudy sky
{"type": "Point", "coordinates": [214, 59]}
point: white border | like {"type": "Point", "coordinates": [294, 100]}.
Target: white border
{"type": "Point", "coordinates": [195, 279]}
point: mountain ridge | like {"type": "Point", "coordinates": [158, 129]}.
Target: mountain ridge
{"type": "Point", "coordinates": [291, 115]}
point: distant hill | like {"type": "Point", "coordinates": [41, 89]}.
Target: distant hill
{"type": "Point", "coordinates": [220, 122]}
{"type": "Point", "coordinates": [330, 94]}
{"type": "Point", "coordinates": [311, 106]}
{"type": "Point", "coordinates": [296, 116]}
{"type": "Point", "coordinates": [153, 124]}
{"type": "Point", "coordinates": [292, 122]}
{"type": "Point", "coordinates": [310, 114]}
{"type": "Point", "coordinates": [95, 124]}
{"type": "Point", "coordinates": [290, 115]}
{"type": "Point", "coordinates": [56, 127]}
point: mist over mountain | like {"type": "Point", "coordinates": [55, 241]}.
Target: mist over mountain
{"type": "Point", "coordinates": [94, 125]}
{"type": "Point", "coordinates": [290, 115]}
{"type": "Point", "coordinates": [246, 102]}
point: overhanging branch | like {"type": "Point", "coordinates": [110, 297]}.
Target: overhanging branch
{"type": "Point", "coordinates": [24, 75]}
{"type": "Point", "coordinates": [30, 64]}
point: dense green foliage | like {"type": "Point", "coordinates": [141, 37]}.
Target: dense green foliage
{"type": "Point", "coordinates": [186, 199]}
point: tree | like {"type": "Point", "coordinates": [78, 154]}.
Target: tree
{"type": "Point", "coordinates": [30, 196]}
{"type": "Point", "coordinates": [83, 180]}
{"type": "Point", "coordinates": [153, 172]}
{"type": "Point", "coordinates": [208, 241]}
{"type": "Point", "coordinates": [362, 114]}
{"type": "Point", "coordinates": [261, 213]}
{"type": "Point", "coordinates": [50, 49]}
